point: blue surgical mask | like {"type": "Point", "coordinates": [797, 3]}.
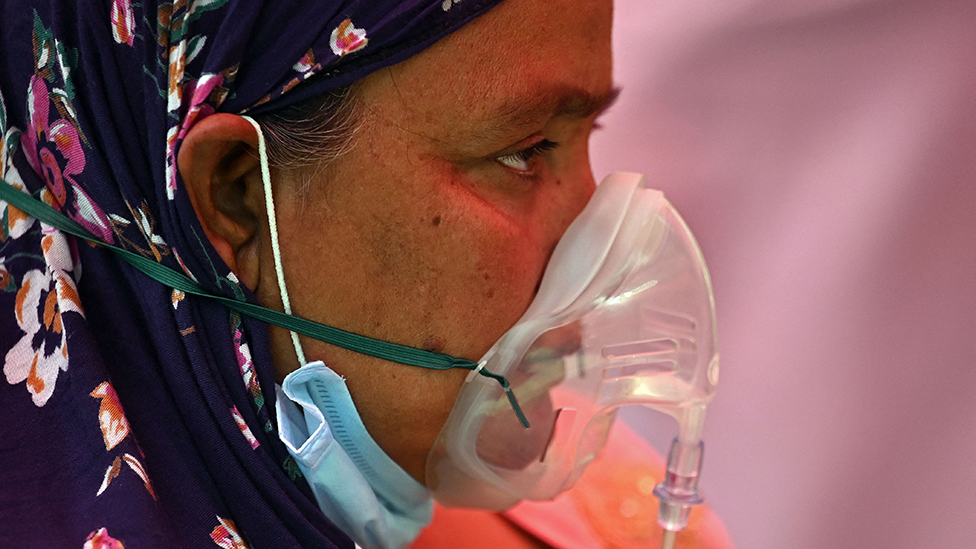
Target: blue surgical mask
{"type": "Point", "coordinates": [357, 486]}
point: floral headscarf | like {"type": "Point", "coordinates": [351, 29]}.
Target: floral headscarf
{"type": "Point", "coordinates": [131, 414]}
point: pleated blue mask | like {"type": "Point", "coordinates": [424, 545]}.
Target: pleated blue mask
{"type": "Point", "coordinates": [358, 487]}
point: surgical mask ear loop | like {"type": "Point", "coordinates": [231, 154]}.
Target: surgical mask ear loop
{"type": "Point", "coordinates": [273, 227]}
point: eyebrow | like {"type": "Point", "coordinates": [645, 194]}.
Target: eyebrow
{"type": "Point", "coordinates": [584, 104]}
{"type": "Point", "coordinates": [573, 102]}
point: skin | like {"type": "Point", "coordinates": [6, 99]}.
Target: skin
{"type": "Point", "coordinates": [427, 233]}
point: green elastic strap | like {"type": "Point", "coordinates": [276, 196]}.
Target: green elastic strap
{"type": "Point", "coordinates": [174, 279]}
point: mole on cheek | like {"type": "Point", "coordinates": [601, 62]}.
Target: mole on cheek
{"type": "Point", "coordinates": [437, 220]}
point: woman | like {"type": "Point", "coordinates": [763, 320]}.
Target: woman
{"type": "Point", "coordinates": [422, 175]}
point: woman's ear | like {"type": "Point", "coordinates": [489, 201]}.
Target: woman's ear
{"type": "Point", "coordinates": [221, 172]}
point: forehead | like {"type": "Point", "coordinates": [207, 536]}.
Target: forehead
{"type": "Point", "coordinates": [520, 58]}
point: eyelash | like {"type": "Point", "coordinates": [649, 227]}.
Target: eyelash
{"type": "Point", "coordinates": [525, 155]}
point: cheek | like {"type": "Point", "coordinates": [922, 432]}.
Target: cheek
{"type": "Point", "coordinates": [438, 268]}
{"type": "Point", "coordinates": [485, 260]}
{"type": "Point", "coordinates": [507, 274]}
{"type": "Point", "coordinates": [477, 273]}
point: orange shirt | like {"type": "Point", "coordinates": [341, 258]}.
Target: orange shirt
{"type": "Point", "coordinates": [611, 507]}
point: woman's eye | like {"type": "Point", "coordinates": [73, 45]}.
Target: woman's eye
{"type": "Point", "coordinates": [520, 161]}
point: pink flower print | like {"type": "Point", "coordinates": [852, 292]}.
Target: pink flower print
{"type": "Point", "coordinates": [110, 417]}
{"type": "Point", "coordinates": [305, 67]}
{"type": "Point", "coordinates": [243, 353]}
{"type": "Point", "coordinates": [186, 269]}
{"type": "Point", "coordinates": [100, 539]}
{"type": "Point", "coordinates": [171, 161]}
{"type": "Point", "coordinates": [306, 63]}
{"type": "Point", "coordinates": [54, 151]}
{"type": "Point", "coordinates": [242, 425]}
{"type": "Point", "coordinates": [225, 535]}
{"type": "Point", "coordinates": [346, 39]}
{"type": "Point", "coordinates": [43, 298]}
{"type": "Point", "coordinates": [200, 93]}
{"type": "Point", "coordinates": [123, 22]}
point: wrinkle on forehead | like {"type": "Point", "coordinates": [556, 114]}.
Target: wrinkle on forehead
{"type": "Point", "coordinates": [558, 101]}
{"type": "Point", "coordinates": [496, 81]}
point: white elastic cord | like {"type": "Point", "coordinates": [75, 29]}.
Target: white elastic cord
{"type": "Point", "coordinates": [474, 373]}
{"type": "Point", "coordinates": [273, 227]}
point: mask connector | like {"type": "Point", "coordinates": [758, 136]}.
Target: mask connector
{"type": "Point", "coordinates": [679, 491]}
{"type": "Point", "coordinates": [479, 368]}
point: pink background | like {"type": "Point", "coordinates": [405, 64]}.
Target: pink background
{"type": "Point", "coordinates": [824, 152]}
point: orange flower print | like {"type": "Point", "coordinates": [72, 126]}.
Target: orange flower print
{"type": "Point", "coordinates": [100, 539]}
{"type": "Point", "coordinates": [346, 39]}
{"type": "Point", "coordinates": [6, 280]}
{"type": "Point", "coordinates": [177, 67]}
{"type": "Point", "coordinates": [139, 470]}
{"type": "Point", "coordinates": [43, 298]}
{"type": "Point", "coordinates": [123, 22]}
{"type": "Point", "coordinates": [225, 535]}
{"type": "Point", "coordinates": [110, 417]}
{"type": "Point", "coordinates": [115, 427]}
{"type": "Point", "coordinates": [113, 471]}
{"type": "Point", "coordinates": [177, 297]}
{"type": "Point", "coordinates": [115, 468]}
{"type": "Point", "coordinates": [13, 222]}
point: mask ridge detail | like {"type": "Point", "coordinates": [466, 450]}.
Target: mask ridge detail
{"type": "Point", "coordinates": [356, 484]}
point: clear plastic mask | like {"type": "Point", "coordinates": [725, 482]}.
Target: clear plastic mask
{"type": "Point", "coordinates": [624, 316]}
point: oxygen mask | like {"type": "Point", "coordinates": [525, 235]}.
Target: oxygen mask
{"type": "Point", "coordinates": [624, 315]}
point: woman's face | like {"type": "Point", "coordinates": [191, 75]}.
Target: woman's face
{"type": "Point", "coordinates": [434, 230]}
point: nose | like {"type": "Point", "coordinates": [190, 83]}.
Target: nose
{"type": "Point", "coordinates": [573, 192]}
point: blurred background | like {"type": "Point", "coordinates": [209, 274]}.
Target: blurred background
{"type": "Point", "coordinates": [824, 153]}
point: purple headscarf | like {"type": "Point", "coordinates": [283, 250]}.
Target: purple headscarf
{"type": "Point", "coordinates": [131, 414]}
